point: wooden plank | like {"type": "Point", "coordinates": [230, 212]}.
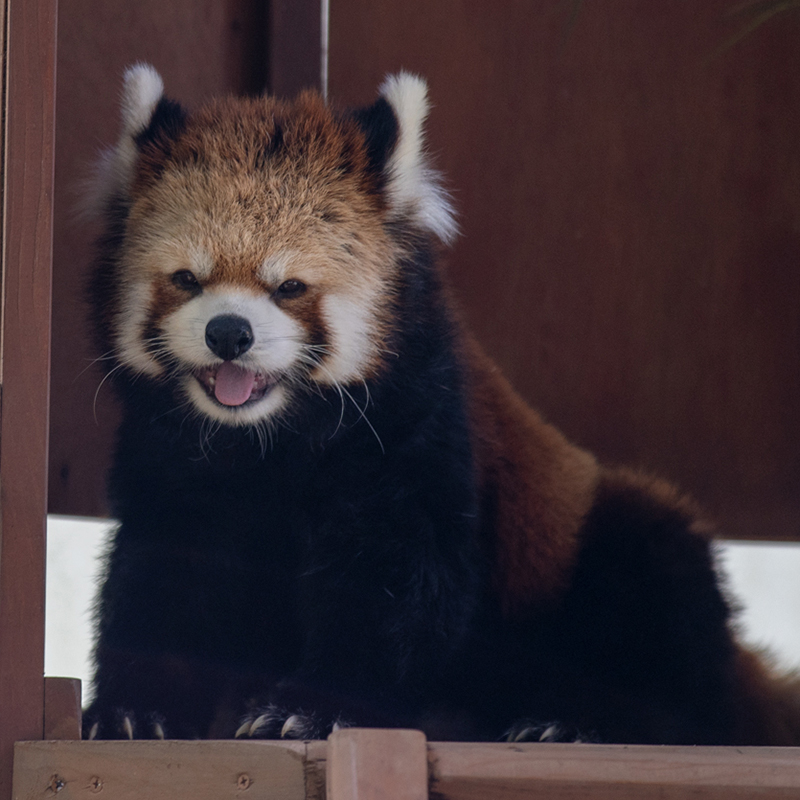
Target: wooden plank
{"type": "Point", "coordinates": [295, 46]}
{"type": "Point", "coordinates": [465, 771]}
{"type": "Point", "coordinates": [173, 770]}
{"type": "Point", "coordinates": [392, 764]}
{"type": "Point", "coordinates": [371, 764]}
{"type": "Point", "coordinates": [26, 258]}
{"type": "Point", "coordinates": [3, 113]}
{"type": "Point", "coordinates": [62, 708]}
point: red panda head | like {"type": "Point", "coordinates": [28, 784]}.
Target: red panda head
{"type": "Point", "coordinates": [254, 253]}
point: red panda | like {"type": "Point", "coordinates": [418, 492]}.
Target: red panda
{"type": "Point", "coordinates": [333, 510]}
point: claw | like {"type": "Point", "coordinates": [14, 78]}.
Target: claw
{"type": "Point", "coordinates": [259, 723]}
{"type": "Point", "coordinates": [523, 735]}
{"type": "Point", "coordinates": [242, 730]}
{"type": "Point", "coordinates": [290, 724]}
{"type": "Point", "coordinates": [127, 727]}
{"type": "Point", "coordinates": [549, 733]}
{"type": "Point", "coordinates": [93, 731]}
{"type": "Point", "coordinates": [158, 731]}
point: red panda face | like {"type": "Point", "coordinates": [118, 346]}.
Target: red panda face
{"type": "Point", "coordinates": [256, 263]}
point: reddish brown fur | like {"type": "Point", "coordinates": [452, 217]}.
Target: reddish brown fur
{"type": "Point", "coordinates": [539, 485]}
{"type": "Point", "coordinates": [241, 169]}
{"type": "Point", "coordinates": [540, 488]}
{"type": "Point", "coordinates": [769, 702]}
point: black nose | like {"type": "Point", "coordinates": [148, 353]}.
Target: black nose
{"type": "Point", "coordinates": [228, 336]}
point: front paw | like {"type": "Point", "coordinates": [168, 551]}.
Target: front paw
{"type": "Point", "coordinates": [123, 723]}
{"type": "Point", "coordinates": [275, 722]}
{"type": "Point", "coordinates": [528, 731]}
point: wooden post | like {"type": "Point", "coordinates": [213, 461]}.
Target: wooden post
{"type": "Point", "coordinates": [370, 764]}
{"type": "Point", "coordinates": [62, 708]}
{"type": "Point", "coordinates": [29, 83]}
{"type": "Point", "coordinates": [294, 46]}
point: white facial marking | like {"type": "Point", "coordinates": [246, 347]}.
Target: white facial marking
{"type": "Point", "coordinates": [133, 317]}
{"type": "Point", "coordinates": [277, 336]}
{"type": "Point", "coordinates": [276, 349]}
{"type": "Point", "coordinates": [352, 334]}
{"type": "Point", "coordinates": [277, 268]}
{"type": "Point", "coordinates": [201, 263]}
{"type": "Point", "coordinates": [277, 346]}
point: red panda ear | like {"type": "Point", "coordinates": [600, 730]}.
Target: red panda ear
{"type": "Point", "coordinates": [146, 117]}
{"type": "Point", "coordinates": [414, 190]}
{"type": "Point", "coordinates": [381, 130]}
{"type": "Point", "coordinates": [141, 92]}
{"type": "Point", "coordinates": [166, 123]}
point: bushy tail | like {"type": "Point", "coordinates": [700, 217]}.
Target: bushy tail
{"type": "Point", "coordinates": [769, 702]}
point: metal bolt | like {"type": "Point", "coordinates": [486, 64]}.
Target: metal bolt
{"type": "Point", "coordinates": [243, 782]}
{"type": "Point", "coordinates": [56, 784]}
{"type": "Point", "coordinates": [95, 784]}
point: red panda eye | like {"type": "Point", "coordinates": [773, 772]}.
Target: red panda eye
{"type": "Point", "coordinates": [184, 279]}
{"type": "Point", "coordinates": [291, 288]}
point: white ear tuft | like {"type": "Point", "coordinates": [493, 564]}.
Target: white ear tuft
{"type": "Point", "coordinates": [142, 90]}
{"type": "Point", "coordinates": [413, 187]}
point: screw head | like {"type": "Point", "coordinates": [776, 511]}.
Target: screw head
{"type": "Point", "coordinates": [243, 782]}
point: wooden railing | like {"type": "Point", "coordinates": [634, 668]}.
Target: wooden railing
{"type": "Point", "coordinates": [363, 764]}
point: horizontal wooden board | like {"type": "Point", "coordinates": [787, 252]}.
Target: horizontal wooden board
{"type": "Point", "coordinates": [172, 770]}
{"type": "Point", "coordinates": [463, 771]}
{"type": "Point", "coordinates": [457, 771]}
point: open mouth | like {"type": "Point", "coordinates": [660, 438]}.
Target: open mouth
{"type": "Point", "coordinates": [233, 385]}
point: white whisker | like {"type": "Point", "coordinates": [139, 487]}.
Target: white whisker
{"type": "Point", "coordinates": [99, 387]}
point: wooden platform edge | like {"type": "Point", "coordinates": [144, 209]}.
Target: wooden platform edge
{"type": "Point", "coordinates": [203, 770]}
{"type": "Point", "coordinates": [466, 771]}
{"type": "Point", "coordinates": [170, 770]}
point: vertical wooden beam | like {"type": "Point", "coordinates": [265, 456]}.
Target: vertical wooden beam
{"type": "Point", "coordinates": [26, 264]}
{"type": "Point", "coordinates": [370, 764]}
{"type": "Point", "coordinates": [295, 46]}
{"type": "Point", "coordinates": [62, 708]}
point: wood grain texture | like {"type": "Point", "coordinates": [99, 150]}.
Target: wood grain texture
{"type": "Point", "coordinates": [366, 764]}
{"type": "Point", "coordinates": [294, 46]}
{"type": "Point", "coordinates": [163, 770]}
{"type": "Point", "coordinates": [611, 772]}
{"type": "Point", "coordinates": [26, 256]}
{"type": "Point", "coordinates": [395, 760]}
{"type": "Point", "coordinates": [630, 222]}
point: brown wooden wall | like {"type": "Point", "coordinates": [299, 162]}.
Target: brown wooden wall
{"type": "Point", "coordinates": [630, 210]}
{"type": "Point", "coordinates": [631, 221]}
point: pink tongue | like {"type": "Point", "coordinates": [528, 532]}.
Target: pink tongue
{"type": "Point", "coordinates": [234, 384]}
